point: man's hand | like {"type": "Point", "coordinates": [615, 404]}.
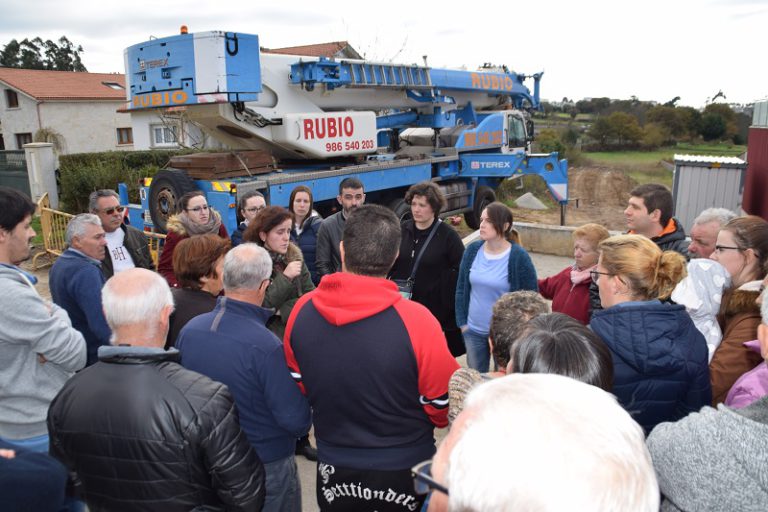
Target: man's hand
{"type": "Point", "coordinates": [7, 454]}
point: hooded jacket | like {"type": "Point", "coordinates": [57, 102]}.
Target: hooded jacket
{"type": "Point", "coordinates": [714, 460]}
{"type": "Point", "coordinates": [672, 238]}
{"type": "Point", "coordinates": [375, 368]}
{"type": "Point", "coordinates": [143, 433]}
{"type": "Point", "coordinates": [739, 317]}
{"type": "Point", "coordinates": [659, 359]}
{"type": "Point", "coordinates": [177, 233]}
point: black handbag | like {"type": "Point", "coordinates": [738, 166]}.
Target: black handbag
{"type": "Point", "coordinates": [405, 286]}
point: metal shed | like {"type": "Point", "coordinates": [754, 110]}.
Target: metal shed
{"type": "Point", "coordinates": [703, 182]}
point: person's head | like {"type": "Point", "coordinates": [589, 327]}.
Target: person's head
{"type": "Point", "coordinates": [16, 231]}
{"type": "Point", "coordinates": [247, 268]}
{"type": "Point", "coordinates": [556, 343]}
{"type": "Point", "coordinates": [271, 229]}
{"type": "Point", "coordinates": [198, 262]}
{"type": "Point", "coordinates": [85, 234]}
{"type": "Point", "coordinates": [301, 203]}
{"type": "Point", "coordinates": [510, 313]}
{"type": "Point", "coordinates": [137, 303]}
{"type": "Point", "coordinates": [704, 231]}
{"type": "Point", "coordinates": [762, 329]}
{"type": "Point", "coordinates": [742, 248]}
{"type": "Point", "coordinates": [425, 200]}
{"type": "Point", "coordinates": [106, 204]}
{"type": "Point", "coordinates": [543, 442]}
{"type": "Point", "coordinates": [370, 241]}
{"type": "Point", "coordinates": [351, 194]}
{"type": "Point", "coordinates": [250, 204]}
{"type": "Point", "coordinates": [649, 210]}
{"type": "Point", "coordinates": [632, 267]}
{"type": "Point", "coordinates": [586, 238]}
{"type": "Point", "coordinates": [195, 206]}
{"type": "Point", "coordinates": [496, 223]}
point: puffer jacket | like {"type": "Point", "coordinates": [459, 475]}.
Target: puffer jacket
{"type": "Point", "coordinates": [307, 242]}
{"type": "Point", "coordinates": [141, 432]}
{"type": "Point", "coordinates": [660, 370]}
{"type": "Point", "coordinates": [673, 240]}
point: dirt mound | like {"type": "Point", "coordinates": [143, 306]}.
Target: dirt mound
{"type": "Point", "coordinates": [602, 195]}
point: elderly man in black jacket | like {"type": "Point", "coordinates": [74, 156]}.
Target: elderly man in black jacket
{"type": "Point", "coordinates": [141, 432]}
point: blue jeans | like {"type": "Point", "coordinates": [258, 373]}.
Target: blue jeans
{"type": "Point", "coordinates": [478, 351]}
{"type": "Point", "coordinates": [39, 444]}
{"type": "Point", "coordinates": [282, 485]}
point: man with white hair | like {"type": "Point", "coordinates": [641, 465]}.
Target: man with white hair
{"type": "Point", "coordinates": [76, 280]}
{"type": "Point", "coordinates": [541, 442]}
{"type": "Point", "coordinates": [717, 459]}
{"type": "Point", "coordinates": [140, 431]}
{"type": "Point", "coordinates": [704, 231]}
{"type": "Point", "coordinates": [232, 345]}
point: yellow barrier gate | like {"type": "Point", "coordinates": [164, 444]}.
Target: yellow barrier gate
{"type": "Point", "coordinates": [53, 224]}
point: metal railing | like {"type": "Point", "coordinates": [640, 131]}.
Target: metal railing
{"type": "Point", "coordinates": [53, 224]}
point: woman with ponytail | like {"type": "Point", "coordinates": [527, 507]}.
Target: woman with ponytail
{"type": "Point", "coordinates": [492, 266]}
{"type": "Point", "coordinates": [660, 358]}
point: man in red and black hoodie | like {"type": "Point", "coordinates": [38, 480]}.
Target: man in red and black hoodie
{"type": "Point", "coordinates": [375, 368]}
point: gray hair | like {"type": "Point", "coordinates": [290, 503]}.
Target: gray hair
{"type": "Point", "coordinates": [246, 267]}
{"type": "Point", "coordinates": [93, 199]}
{"type": "Point", "coordinates": [548, 428]}
{"type": "Point", "coordinates": [135, 296]}
{"type": "Point", "coordinates": [720, 215]}
{"type": "Point", "coordinates": [77, 225]}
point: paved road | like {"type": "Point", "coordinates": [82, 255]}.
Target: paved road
{"type": "Point", "coordinates": [546, 265]}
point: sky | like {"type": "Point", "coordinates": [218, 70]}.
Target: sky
{"type": "Point", "coordinates": [654, 50]}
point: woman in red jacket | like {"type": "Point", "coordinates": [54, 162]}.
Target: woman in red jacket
{"type": "Point", "coordinates": [569, 290]}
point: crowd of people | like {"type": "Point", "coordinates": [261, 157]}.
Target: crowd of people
{"type": "Point", "coordinates": [635, 378]}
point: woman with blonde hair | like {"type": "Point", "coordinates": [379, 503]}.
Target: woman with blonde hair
{"type": "Point", "coordinates": [660, 358]}
{"type": "Point", "coordinates": [569, 290]}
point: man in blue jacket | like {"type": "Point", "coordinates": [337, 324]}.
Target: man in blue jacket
{"type": "Point", "coordinates": [76, 281]}
{"type": "Point", "coordinates": [232, 345]}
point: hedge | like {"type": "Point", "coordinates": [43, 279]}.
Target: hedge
{"type": "Point", "coordinates": [83, 173]}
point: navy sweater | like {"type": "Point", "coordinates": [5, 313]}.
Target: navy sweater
{"type": "Point", "coordinates": [231, 345]}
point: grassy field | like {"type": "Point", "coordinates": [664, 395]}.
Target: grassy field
{"type": "Point", "coordinates": [38, 240]}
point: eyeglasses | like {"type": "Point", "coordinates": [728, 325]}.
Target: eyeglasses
{"type": "Point", "coordinates": [721, 248]}
{"type": "Point", "coordinates": [110, 211]}
{"type": "Point", "coordinates": [198, 209]}
{"type": "Point", "coordinates": [255, 209]}
{"type": "Point", "coordinates": [423, 482]}
{"type": "Point", "coordinates": [595, 274]}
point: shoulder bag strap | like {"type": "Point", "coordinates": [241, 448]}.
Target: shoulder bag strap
{"type": "Point", "coordinates": [423, 247]}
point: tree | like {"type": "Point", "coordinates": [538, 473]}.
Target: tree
{"type": "Point", "coordinates": [713, 126]}
{"type": "Point", "coordinates": [549, 141]}
{"type": "Point", "coordinates": [625, 128]}
{"type": "Point", "coordinates": [654, 135]}
{"type": "Point", "coordinates": [669, 118]}
{"type": "Point", "coordinates": [728, 116]}
{"type": "Point", "coordinates": [600, 131]}
{"type": "Point", "coordinates": [39, 54]}
{"type": "Point", "coordinates": [691, 119]}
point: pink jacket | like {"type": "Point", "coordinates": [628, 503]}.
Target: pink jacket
{"type": "Point", "coordinates": [751, 386]}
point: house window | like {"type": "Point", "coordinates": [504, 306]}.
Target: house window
{"type": "Point", "coordinates": [163, 135]}
{"type": "Point", "coordinates": [11, 99]}
{"type": "Point", "coordinates": [114, 85]}
{"type": "Point", "coordinates": [23, 138]}
{"type": "Point", "coordinates": [124, 136]}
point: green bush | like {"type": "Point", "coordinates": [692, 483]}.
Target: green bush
{"type": "Point", "coordinates": [83, 173]}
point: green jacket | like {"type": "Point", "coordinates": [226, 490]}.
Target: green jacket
{"type": "Point", "coordinates": [283, 293]}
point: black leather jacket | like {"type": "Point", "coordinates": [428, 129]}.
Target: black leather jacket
{"type": "Point", "coordinates": [140, 432]}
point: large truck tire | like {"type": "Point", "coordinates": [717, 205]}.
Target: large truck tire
{"type": "Point", "coordinates": [483, 197]}
{"type": "Point", "coordinates": [401, 208]}
{"type": "Point", "coordinates": [166, 189]}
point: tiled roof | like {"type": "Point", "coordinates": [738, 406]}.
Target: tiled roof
{"type": "Point", "coordinates": [64, 85]}
{"type": "Point", "coordinates": [312, 50]}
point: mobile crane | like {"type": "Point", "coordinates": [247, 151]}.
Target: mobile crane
{"type": "Point", "coordinates": [389, 125]}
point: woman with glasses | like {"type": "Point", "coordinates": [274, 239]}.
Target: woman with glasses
{"type": "Point", "coordinates": [306, 223]}
{"type": "Point", "coordinates": [660, 358]}
{"type": "Point", "coordinates": [492, 266]}
{"type": "Point", "coordinates": [194, 217]}
{"type": "Point", "coordinates": [742, 248]}
{"type": "Point", "coordinates": [569, 290]}
{"type": "Point", "coordinates": [248, 206]}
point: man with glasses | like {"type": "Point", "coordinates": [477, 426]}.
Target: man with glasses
{"type": "Point", "coordinates": [126, 246]}
{"type": "Point", "coordinates": [540, 442]}
{"type": "Point", "coordinates": [248, 206]}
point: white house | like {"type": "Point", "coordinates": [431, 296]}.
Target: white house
{"type": "Point", "coordinates": [79, 109]}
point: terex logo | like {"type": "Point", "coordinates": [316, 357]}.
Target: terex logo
{"type": "Point", "coordinates": [490, 165]}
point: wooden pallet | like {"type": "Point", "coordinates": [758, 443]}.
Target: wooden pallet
{"type": "Point", "coordinates": [215, 166]}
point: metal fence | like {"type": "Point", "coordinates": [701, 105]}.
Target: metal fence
{"type": "Point", "coordinates": [13, 170]}
{"type": "Point", "coordinates": [53, 224]}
